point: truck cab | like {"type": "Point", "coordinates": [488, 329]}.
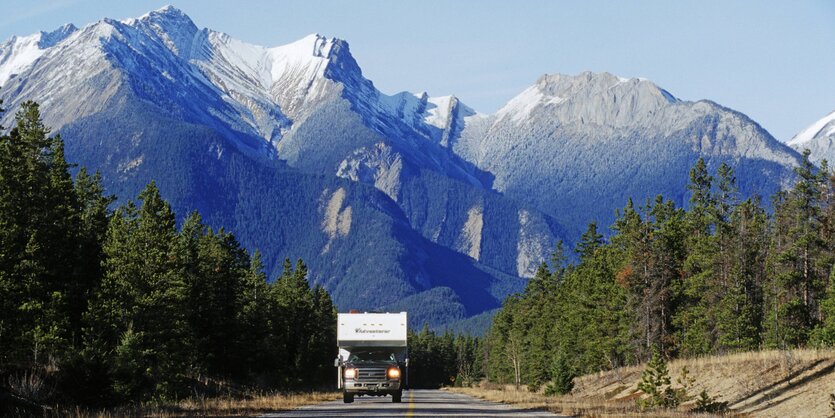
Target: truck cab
{"type": "Point", "coordinates": [373, 355]}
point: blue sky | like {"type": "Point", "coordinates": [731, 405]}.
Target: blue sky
{"type": "Point", "coordinates": [774, 61]}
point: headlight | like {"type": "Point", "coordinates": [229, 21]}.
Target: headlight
{"type": "Point", "coordinates": [350, 373]}
{"type": "Point", "coordinates": [394, 373]}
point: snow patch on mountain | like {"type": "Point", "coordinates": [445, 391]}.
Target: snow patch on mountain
{"type": "Point", "coordinates": [309, 54]}
{"type": "Point", "coordinates": [520, 107]}
{"type": "Point", "coordinates": [18, 53]}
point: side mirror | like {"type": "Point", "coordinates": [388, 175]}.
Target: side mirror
{"type": "Point", "coordinates": [336, 362]}
{"type": "Point", "coordinates": [407, 362]}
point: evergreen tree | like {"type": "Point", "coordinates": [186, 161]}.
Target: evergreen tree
{"type": "Point", "coordinates": [295, 301]}
{"type": "Point", "coordinates": [507, 336]}
{"type": "Point", "coordinates": [824, 334]}
{"type": "Point", "coordinates": [590, 241]}
{"type": "Point", "coordinates": [261, 341]}
{"type": "Point", "coordinates": [562, 376]}
{"type": "Point", "coordinates": [94, 216]}
{"type": "Point", "coordinates": [797, 276]}
{"type": "Point", "coordinates": [38, 259]}
{"type": "Point", "coordinates": [140, 310]}
{"type": "Point", "coordinates": [655, 382]}
{"type": "Point", "coordinates": [740, 307]}
{"type": "Point", "coordinates": [321, 343]}
{"type": "Point", "coordinates": [695, 317]}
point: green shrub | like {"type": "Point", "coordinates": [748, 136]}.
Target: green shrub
{"type": "Point", "coordinates": [705, 403]}
{"type": "Point", "coordinates": [655, 382]}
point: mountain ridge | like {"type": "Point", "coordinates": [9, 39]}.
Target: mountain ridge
{"type": "Point", "coordinates": [485, 195]}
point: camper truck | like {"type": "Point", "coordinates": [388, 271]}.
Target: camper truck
{"type": "Point", "coordinates": [373, 356]}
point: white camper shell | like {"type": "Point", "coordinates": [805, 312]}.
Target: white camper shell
{"type": "Point", "coordinates": [371, 330]}
{"type": "Point", "coordinates": [361, 336]}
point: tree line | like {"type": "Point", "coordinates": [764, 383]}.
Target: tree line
{"type": "Point", "coordinates": [720, 276]}
{"type": "Point", "coordinates": [111, 306]}
{"type": "Point", "coordinates": [447, 359]}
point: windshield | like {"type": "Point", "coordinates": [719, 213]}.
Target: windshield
{"type": "Point", "coordinates": [372, 356]}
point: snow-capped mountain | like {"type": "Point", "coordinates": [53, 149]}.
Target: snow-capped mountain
{"type": "Point", "coordinates": [294, 150]}
{"type": "Point", "coordinates": [577, 147]}
{"type": "Point", "coordinates": [271, 143]}
{"type": "Point", "coordinates": [819, 138]}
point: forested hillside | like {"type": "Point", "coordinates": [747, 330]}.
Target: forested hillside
{"type": "Point", "coordinates": [101, 307]}
{"type": "Point", "coordinates": [721, 276]}
{"type": "Point", "coordinates": [296, 151]}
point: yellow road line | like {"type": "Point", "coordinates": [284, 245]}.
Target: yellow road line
{"type": "Point", "coordinates": [411, 411]}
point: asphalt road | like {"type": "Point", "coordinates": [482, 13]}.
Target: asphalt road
{"type": "Point", "coordinates": [416, 403]}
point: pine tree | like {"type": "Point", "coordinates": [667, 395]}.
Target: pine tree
{"type": "Point", "coordinates": [824, 333]}
{"type": "Point", "coordinates": [562, 376]}
{"type": "Point", "coordinates": [258, 342]}
{"type": "Point", "coordinates": [740, 307]}
{"type": "Point", "coordinates": [321, 346]}
{"type": "Point", "coordinates": [538, 322]}
{"type": "Point", "coordinates": [295, 300]}
{"type": "Point", "coordinates": [38, 228]}
{"type": "Point", "coordinates": [507, 340]}
{"type": "Point", "coordinates": [94, 216]}
{"type": "Point", "coordinates": [694, 316]}
{"type": "Point", "coordinates": [590, 241]}
{"type": "Point", "coordinates": [140, 309]}
{"type": "Point", "coordinates": [797, 276]}
{"type": "Point", "coordinates": [655, 382]}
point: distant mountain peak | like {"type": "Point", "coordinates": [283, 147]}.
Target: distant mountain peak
{"type": "Point", "coordinates": [814, 130]}
{"type": "Point", "coordinates": [49, 39]}
{"type": "Point", "coordinates": [167, 12]}
{"type": "Point", "coordinates": [819, 138]}
{"type": "Point", "coordinates": [173, 26]}
{"type": "Point", "coordinates": [168, 8]}
{"type": "Point", "coordinates": [600, 83]}
{"type": "Point", "coordinates": [590, 95]}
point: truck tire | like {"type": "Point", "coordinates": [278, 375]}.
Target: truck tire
{"type": "Point", "coordinates": [347, 397]}
{"type": "Point", "coordinates": [397, 397]}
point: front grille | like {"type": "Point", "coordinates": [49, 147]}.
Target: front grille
{"type": "Point", "coordinates": [371, 374]}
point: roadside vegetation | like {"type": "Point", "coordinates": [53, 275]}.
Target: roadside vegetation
{"type": "Point", "coordinates": [228, 405]}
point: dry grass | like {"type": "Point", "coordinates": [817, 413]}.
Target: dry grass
{"type": "Point", "coordinates": [763, 384]}
{"type": "Point", "coordinates": [570, 405]}
{"type": "Point", "coordinates": [230, 407]}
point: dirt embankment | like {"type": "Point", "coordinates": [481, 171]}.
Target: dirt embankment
{"type": "Point", "coordinates": [795, 383]}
